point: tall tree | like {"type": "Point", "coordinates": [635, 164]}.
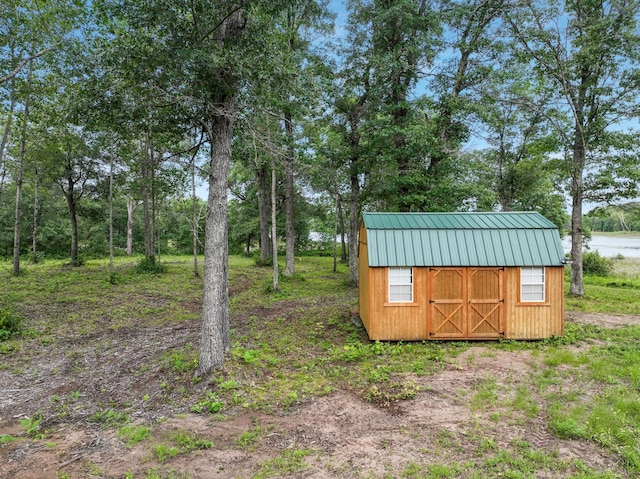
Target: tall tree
{"type": "Point", "coordinates": [20, 174]}
{"type": "Point", "coordinates": [399, 39]}
{"type": "Point", "coordinates": [75, 170]}
{"type": "Point", "coordinates": [301, 18]}
{"type": "Point", "coordinates": [589, 51]}
{"type": "Point", "coordinates": [197, 55]}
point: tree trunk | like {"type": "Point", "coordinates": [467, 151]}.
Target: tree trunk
{"type": "Point", "coordinates": [73, 217]}
{"type": "Point", "coordinates": [214, 339]}
{"type": "Point", "coordinates": [147, 199]}
{"type": "Point", "coordinates": [354, 227]}
{"type": "Point", "coordinates": [576, 287]}
{"type": "Point", "coordinates": [214, 334]}
{"type": "Point", "coordinates": [131, 207]}
{"type": "Point", "coordinates": [263, 211]}
{"type": "Point", "coordinates": [289, 219]}
{"type": "Point", "coordinates": [194, 199]}
{"type": "Point", "coordinates": [274, 232]}
{"type": "Point", "coordinates": [19, 180]}
{"type": "Point", "coordinates": [5, 135]}
{"type": "Point", "coordinates": [155, 234]}
{"type": "Point", "coordinates": [111, 216]}
{"type": "Point", "coordinates": [343, 241]}
{"type": "Point", "coordinates": [335, 236]}
{"type": "Point", "coordinates": [36, 214]}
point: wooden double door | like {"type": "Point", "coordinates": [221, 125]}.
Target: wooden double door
{"type": "Point", "coordinates": [466, 303]}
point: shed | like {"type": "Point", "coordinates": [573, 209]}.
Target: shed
{"type": "Point", "coordinates": [460, 276]}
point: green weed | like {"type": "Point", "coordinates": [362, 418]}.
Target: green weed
{"type": "Point", "coordinates": [387, 393]}
{"type": "Point", "coordinates": [163, 452]}
{"type": "Point", "coordinates": [523, 401]}
{"type": "Point", "coordinates": [485, 393]}
{"type": "Point", "coordinates": [210, 403]}
{"type": "Point", "coordinates": [188, 442]}
{"type": "Point", "coordinates": [6, 438]}
{"type": "Point", "coordinates": [249, 439]}
{"type": "Point", "coordinates": [10, 324]}
{"type": "Point", "coordinates": [289, 462]}
{"type": "Point", "coordinates": [132, 434]}
{"type": "Point", "coordinates": [109, 418]}
{"type": "Point", "coordinates": [32, 426]}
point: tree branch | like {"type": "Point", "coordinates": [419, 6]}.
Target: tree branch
{"type": "Point", "coordinates": [22, 64]}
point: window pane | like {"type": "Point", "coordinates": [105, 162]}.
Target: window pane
{"type": "Point", "coordinates": [401, 288]}
{"type": "Point", "coordinates": [400, 273]}
{"type": "Point", "coordinates": [401, 298]}
{"type": "Point", "coordinates": [532, 283]}
{"type": "Point", "coordinates": [401, 285]}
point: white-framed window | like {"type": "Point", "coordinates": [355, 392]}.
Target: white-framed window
{"type": "Point", "coordinates": [532, 284]}
{"type": "Point", "coordinates": [401, 285]}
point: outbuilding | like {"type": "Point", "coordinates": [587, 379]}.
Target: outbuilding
{"type": "Point", "coordinates": [460, 276]}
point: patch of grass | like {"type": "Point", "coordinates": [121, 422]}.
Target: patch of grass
{"type": "Point", "coordinates": [609, 294]}
{"type": "Point", "coordinates": [209, 403]}
{"type": "Point", "coordinates": [414, 470]}
{"type": "Point", "coordinates": [523, 401]}
{"type": "Point", "coordinates": [188, 442]}
{"type": "Point", "coordinates": [132, 434]}
{"type": "Point", "coordinates": [391, 392]}
{"type": "Point", "coordinates": [6, 438]}
{"type": "Point", "coordinates": [109, 418]}
{"type": "Point", "coordinates": [288, 462]}
{"type": "Point", "coordinates": [10, 324]}
{"type": "Point", "coordinates": [158, 473]}
{"type": "Point", "coordinates": [249, 439]}
{"type": "Point", "coordinates": [555, 357]}
{"type": "Point", "coordinates": [485, 393]}
{"type": "Point", "coordinates": [181, 442]}
{"type": "Point", "coordinates": [32, 427]}
{"type": "Point", "coordinates": [183, 360]}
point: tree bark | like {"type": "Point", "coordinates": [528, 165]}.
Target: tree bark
{"type": "Point", "coordinates": [36, 214]}
{"type": "Point", "coordinates": [289, 191]}
{"type": "Point", "coordinates": [19, 179]}
{"type": "Point", "coordinates": [335, 236]}
{"type": "Point", "coordinates": [73, 217]}
{"type": "Point", "coordinates": [214, 334]}
{"type": "Point", "coordinates": [263, 211]}
{"type": "Point", "coordinates": [214, 339]}
{"type": "Point", "coordinates": [147, 199]}
{"type": "Point", "coordinates": [576, 287]}
{"type": "Point", "coordinates": [6, 134]}
{"type": "Point", "coordinates": [343, 242]}
{"type": "Point", "coordinates": [194, 200]}
{"type": "Point", "coordinates": [131, 207]}
{"type": "Point", "coordinates": [274, 232]}
{"type": "Point", "coordinates": [111, 271]}
{"type": "Point", "coordinates": [354, 227]}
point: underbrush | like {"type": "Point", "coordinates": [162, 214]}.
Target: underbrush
{"type": "Point", "coordinates": [291, 347]}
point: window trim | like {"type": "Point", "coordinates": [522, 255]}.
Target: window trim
{"type": "Point", "coordinates": [410, 283]}
{"type": "Point", "coordinates": [543, 283]}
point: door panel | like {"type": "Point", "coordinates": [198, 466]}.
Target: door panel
{"type": "Point", "coordinates": [486, 303]}
{"type": "Point", "coordinates": [466, 303]}
{"type": "Point", "coordinates": [447, 304]}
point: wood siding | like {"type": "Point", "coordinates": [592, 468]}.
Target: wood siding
{"type": "Point", "coordinates": [364, 283]}
{"type": "Point", "coordinates": [459, 303]}
{"type": "Point", "coordinates": [397, 321]}
{"type": "Point", "coordinates": [535, 320]}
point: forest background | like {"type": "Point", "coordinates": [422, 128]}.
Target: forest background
{"type": "Point", "coordinates": [113, 112]}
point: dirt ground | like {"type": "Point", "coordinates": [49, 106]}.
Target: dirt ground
{"type": "Point", "coordinates": [343, 435]}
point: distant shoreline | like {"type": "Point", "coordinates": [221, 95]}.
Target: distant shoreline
{"type": "Point", "coordinates": [632, 234]}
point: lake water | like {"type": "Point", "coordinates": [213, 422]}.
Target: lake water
{"type": "Point", "coordinates": [610, 246]}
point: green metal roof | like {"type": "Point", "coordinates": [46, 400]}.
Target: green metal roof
{"type": "Point", "coordinates": [462, 239]}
